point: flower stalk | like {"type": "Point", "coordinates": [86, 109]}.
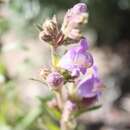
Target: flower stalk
{"type": "Point", "coordinates": [68, 121]}
{"type": "Point", "coordinates": [73, 78]}
{"type": "Point", "coordinates": [54, 56]}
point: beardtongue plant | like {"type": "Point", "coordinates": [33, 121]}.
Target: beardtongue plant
{"type": "Point", "coordinates": [72, 77]}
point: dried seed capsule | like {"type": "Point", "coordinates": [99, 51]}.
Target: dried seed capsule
{"type": "Point", "coordinates": [50, 30]}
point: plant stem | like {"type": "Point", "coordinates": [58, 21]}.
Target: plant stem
{"type": "Point", "coordinates": [68, 121]}
{"type": "Point", "coordinates": [54, 57]}
{"type": "Point", "coordinates": [59, 99]}
{"type": "Point", "coordinates": [68, 125]}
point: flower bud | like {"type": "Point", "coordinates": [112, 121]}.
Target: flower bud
{"type": "Point", "coordinates": [55, 80]}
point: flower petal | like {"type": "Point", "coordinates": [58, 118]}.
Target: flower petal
{"type": "Point", "coordinates": [85, 87]}
{"type": "Point", "coordinates": [77, 58]}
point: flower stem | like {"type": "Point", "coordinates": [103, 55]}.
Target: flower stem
{"type": "Point", "coordinates": [68, 121]}
{"type": "Point", "coordinates": [68, 125]}
{"type": "Point", "coordinates": [59, 99]}
{"type": "Point", "coordinates": [54, 57]}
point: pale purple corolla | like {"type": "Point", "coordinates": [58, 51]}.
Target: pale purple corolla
{"type": "Point", "coordinates": [74, 18]}
{"type": "Point", "coordinates": [77, 59]}
{"type": "Point", "coordinates": [76, 14]}
{"type": "Point", "coordinates": [89, 88]}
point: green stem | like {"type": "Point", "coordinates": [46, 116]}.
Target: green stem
{"type": "Point", "coordinates": [54, 57]}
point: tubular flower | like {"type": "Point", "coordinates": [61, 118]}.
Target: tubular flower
{"type": "Point", "coordinates": [89, 88]}
{"type": "Point", "coordinates": [74, 18]}
{"type": "Point", "coordinates": [77, 59]}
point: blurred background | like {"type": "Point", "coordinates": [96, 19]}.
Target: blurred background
{"type": "Point", "coordinates": [22, 55]}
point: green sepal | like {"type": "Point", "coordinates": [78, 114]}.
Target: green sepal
{"type": "Point", "coordinates": [81, 111]}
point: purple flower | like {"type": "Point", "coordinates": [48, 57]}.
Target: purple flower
{"type": "Point", "coordinates": [77, 59]}
{"type": "Point", "coordinates": [80, 7]}
{"type": "Point", "coordinates": [76, 13]}
{"type": "Point", "coordinates": [55, 80]}
{"type": "Point", "coordinates": [89, 87]}
{"type": "Point", "coordinates": [74, 18]}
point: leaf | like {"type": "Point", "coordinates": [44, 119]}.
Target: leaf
{"type": "Point", "coordinates": [49, 117]}
{"type": "Point", "coordinates": [29, 118]}
{"type": "Point", "coordinates": [87, 110]}
{"type": "Point", "coordinates": [44, 99]}
{"type": "Point", "coordinates": [53, 113]}
{"type": "Point", "coordinates": [39, 27]}
{"type": "Point", "coordinates": [94, 108]}
{"type": "Point", "coordinates": [52, 126]}
{"type": "Point", "coordinates": [39, 81]}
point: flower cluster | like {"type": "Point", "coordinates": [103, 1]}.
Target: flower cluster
{"type": "Point", "coordinates": [74, 76]}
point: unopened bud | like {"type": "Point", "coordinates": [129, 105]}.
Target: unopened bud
{"type": "Point", "coordinates": [55, 80]}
